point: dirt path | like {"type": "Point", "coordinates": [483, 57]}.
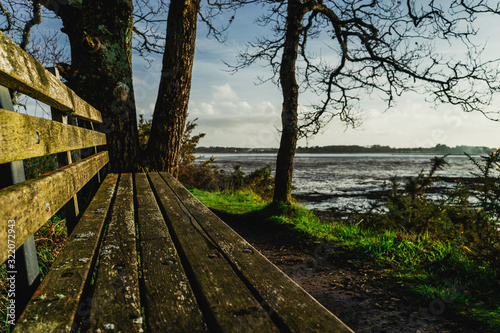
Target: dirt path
{"type": "Point", "coordinates": [360, 297]}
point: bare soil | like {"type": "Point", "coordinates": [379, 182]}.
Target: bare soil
{"type": "Point", "coordinates": [353, 289]}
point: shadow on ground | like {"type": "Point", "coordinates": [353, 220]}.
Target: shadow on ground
{"type": "Point", "coordinates": [348, 284]}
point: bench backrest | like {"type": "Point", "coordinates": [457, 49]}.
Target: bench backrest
{"type": "Point", "coordinates": [27, 205]}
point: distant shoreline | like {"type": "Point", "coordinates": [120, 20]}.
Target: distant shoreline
{"type": "Point", "coordinates": [375, 149]}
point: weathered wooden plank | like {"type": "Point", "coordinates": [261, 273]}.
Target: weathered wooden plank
{"type": "Point", "coordinates": [228, 304]}
{"type": "Point", "coordinates": [31, 203]}
{"type": "Point", "coordinates": [19, 71]}
{"type": "Point", "coordinates": [169, 300]}
{"type": "Point", "coordinates": [23, 136]}
{"type": "Point", "coordinates": [295, 307]}
{"type": "Point", "coordinates": [116, 302]}
{"type": "Point", "coordinates": [54, 305]}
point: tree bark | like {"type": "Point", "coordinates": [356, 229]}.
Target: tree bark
{"type": "Point", "coordinates": [289, 118]}
{"type": "Point", "coordinates": [100, 35]}
{"type": "Point", "coordinates": [171, 107]}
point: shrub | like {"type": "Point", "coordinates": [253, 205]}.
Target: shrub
{"type": "Point", "coordinates": [144, 131]}
{"type": "Point", "coordinates": [261, 181]}
{"type": "Point", "coordinates": [452, 217]}
{"type": "Point", "coordinates": [203, 175]}
{"type": "Point", "coordinates": [488, 186]}
{"type": "Point", "coordinates": [37, 166]}
{"type": "Point", "coordinates": [199, 176]}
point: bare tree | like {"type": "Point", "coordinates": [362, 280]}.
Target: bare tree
{"type": "Point", "coordinates": [382, 48]}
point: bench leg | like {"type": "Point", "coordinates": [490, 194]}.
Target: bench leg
{"type": "Point", "coordinates": [28, 274]}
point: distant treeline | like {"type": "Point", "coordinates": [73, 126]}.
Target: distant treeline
{"type": "Point", "coordinates": [353, 149]}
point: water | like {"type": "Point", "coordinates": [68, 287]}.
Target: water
{"type": "Point", "coordinates": [324, 181]}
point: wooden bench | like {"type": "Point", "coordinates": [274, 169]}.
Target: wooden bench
{"type": "Point", "coordinates": [145, 255]}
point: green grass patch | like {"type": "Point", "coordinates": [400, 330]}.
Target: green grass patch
{"type": "Point", "coordinates": [49, 240]}
{"type": "Point", "coordinates": [442, 273]}
{"type": "Point", "coordinates": [241, 202]}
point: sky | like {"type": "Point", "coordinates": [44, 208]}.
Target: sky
{"type": "Point", "coordinates": [234, 111]}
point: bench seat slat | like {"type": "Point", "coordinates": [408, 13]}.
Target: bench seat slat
{"type": "Point", "coordinates": [297, 309]}
{"type": "Point", "coordinates": [116, 301]}
{"type": "Point", "coordinates": [228, 304]}
{"type": "Point", "coordinates": [33, 202]}
{"type": "Point", "coordinates": [19, 71]}
{"type": "Point", "coordinates": [55, 303]}
{"type": "Point", "coordinates": [169, 300]}
{"type": "Point", "coordinates": [23, 136]}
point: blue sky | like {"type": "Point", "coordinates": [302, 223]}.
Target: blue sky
{"type": "Point", "coordinates": [233, 111]}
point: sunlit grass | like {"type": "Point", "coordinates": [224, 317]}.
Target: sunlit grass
{"type": "Point", "coordinates": [240, 202]}
{"type": "Point", "coordinates": [49, 240]}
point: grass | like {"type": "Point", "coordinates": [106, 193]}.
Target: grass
{"type": "Point", "coordinates": [49, 240]}
{"type": "Point", "coordinates": [241, 202]}
{"type": "Point", "coordinates": [443, 274]}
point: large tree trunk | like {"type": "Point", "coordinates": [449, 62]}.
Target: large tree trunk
{"type": "Point", "coordinates": [171, 107]}
{"type": "Point", "coordinates": [289, 119]}
{"type": "Point", "coordinates": [100, 34]}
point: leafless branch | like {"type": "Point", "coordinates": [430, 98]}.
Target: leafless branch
{"type": "Point", "coordinates": [386, 47]}
{"type": "Point", "coordinates": [36, 19]}
{"type": "Point", "coordinates": [8, 17]}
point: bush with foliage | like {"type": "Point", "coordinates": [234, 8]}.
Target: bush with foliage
{"type": "Point", "coordinates": [144, 131]}
{"type": "Point", "coordinates": [36, 166]}
{"type": "Point", "coordinates": [204, 175]}
{"type": "Point", "coordinates": [454, 216]}
{"type": "Point", "coordinates": [488, 187]}
{"type": "Point", "coordinates": [260, 181]}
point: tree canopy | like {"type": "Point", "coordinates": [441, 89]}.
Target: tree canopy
{"type": "Point", "coordinates": [382, 48]}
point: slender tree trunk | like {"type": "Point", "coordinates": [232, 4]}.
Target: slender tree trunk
{"type": "Point", "coordinates": [100, 34]}
{"type": "Point", "coordinates": [289, 119]}
{"type": "Point", "coordinates": [171, 107]}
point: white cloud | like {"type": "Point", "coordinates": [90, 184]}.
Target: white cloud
{"type": "Point", "coordinates": [236, 123]}
{"type": "Point", "coordinates": [238, 131]}
{"type": "Point", "coordinates": [413, 127]}
{"type": "Point", "coordinates": [197, 109]}
{"type": "Point", "coordinates": [267, 108]}
{"type": "Point", "coordinates": [224, 93]}
{"type": "Point", "coordinates": [207, 108]}
{"type": "Point", "coordinates": [237, 108]}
